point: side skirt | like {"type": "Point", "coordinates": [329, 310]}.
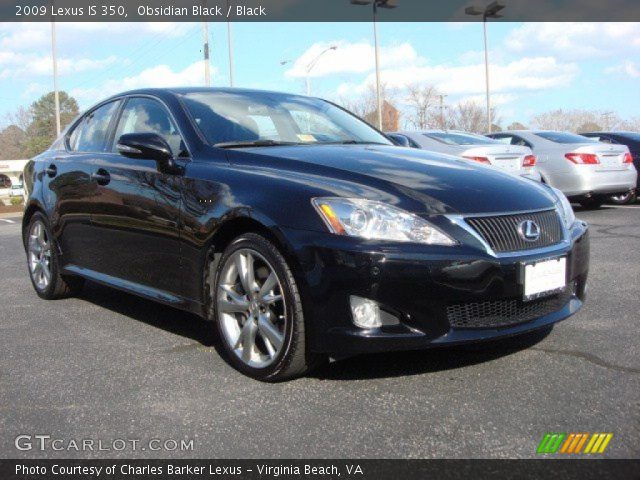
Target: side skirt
{"type": "Point", "coordinates": [137, 289]}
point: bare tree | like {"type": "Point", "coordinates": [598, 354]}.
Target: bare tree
{"type": "Point", "coordinates": [423, 100]}
{"type": "Point", "coordinates": [516, 126]}
{"type": "Point", "coordinates": [470, 116]}
{"type": "Point", "coordinates": [366, 107]}
{"type": "Point", "coordinates": [577, 120]}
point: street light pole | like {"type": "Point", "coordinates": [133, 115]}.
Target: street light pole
{"type": "Point", "coordinates": [231, 65]}
{"type": "Point", "coordinates": [490, 11]}
{"type": "Point", "coordinates": [230, 45]}
{"type": "Point", "coordinates": [486, 73]}
{"type": "Point", "coordinates": [376, 4]}
{"type": "Point", "coordinates": [310, 66]}
{"type": "Point", "coordinates": [377, 54]}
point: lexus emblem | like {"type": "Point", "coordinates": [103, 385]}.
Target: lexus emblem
{"type": "Point", "coordinates": [529, 231]}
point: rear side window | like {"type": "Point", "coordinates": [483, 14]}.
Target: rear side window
{"type": "Point", "coordinates": [565, 137]}
{"type": "Point", "coordinates": [145, 115]}
{"type": "Point", "coordinates": [90, 135]}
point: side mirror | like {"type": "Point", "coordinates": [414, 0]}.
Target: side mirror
{"type": "Point", "coordinates": [399, 140]}
{"type": "Point", "coordinates": [148, 146]}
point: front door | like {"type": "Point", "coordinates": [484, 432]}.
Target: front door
{"type": "Point", "coordinates": [136, 214]}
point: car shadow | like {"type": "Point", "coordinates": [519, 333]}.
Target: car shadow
{"type": "Point", "coordinates": [371, 366]}
{"type": "Point", "coordinates": [396, 364]}
{"type": "Point", "coordinates": [152, 313]}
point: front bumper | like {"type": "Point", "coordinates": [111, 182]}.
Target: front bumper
{"type": "Point", "coordinates": [418, 285]}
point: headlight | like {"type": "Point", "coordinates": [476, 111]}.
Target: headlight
{"type": "Point", "coordinates": [377, 221]}
{"type": "Point", "coordinates": [564, 208]}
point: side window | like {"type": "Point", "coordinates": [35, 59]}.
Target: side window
{"type": "Point", "coordinates": [145, 115]}
{"type": "Point", "coordinates": [516, 140]}
{"type": "Point", "coordinates": [90, 135]}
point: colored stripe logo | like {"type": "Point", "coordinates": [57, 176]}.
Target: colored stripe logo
{"type": "Point", "coordinates": [574, 443]}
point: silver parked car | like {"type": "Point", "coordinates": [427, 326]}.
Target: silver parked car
{"type": "Point", "coordinates": [584, 169]}
{"type": "Point", "coordinates": [514, 159]}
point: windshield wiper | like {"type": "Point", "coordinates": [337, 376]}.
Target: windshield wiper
{"type": "Point", "coordinates": [254, 143]}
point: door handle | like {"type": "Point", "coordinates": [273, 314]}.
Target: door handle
{"type": "Point", "coordinates": [102, 177]}
{"type": "Point", "coordinates": [51, 170]}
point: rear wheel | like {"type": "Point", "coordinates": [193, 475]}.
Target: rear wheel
{"type": "Point", "coordinates": [258, 311]}
{"type": "Point", "coordinates": [592, 203]}
{"type": "Point", "coordinates": [42, 260]}
{"type": "Point", "coordinates": [623, 198]}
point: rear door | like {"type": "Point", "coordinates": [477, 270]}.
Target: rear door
{"type": "Point", "coordinates": [136, 214]}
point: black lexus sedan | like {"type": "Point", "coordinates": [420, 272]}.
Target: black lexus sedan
{"type": "Point", "coordinates": [297, 229]}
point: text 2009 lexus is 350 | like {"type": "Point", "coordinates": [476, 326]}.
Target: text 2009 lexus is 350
{"type": "Point", "coordinates": [297, 229]}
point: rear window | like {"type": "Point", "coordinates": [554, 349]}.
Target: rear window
{"type": "Point", "coordinates": [565, 137]}
{"type": "Point", "coordinates": [453, 138]}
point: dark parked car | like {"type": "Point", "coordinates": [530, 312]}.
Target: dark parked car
{"type": "Point", "coordinates": [297, 229]}
{"type": "Point", "coordinates": [632, 141]}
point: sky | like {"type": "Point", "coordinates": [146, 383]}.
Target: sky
{"type": "Point", "coordinates": [535, 67]}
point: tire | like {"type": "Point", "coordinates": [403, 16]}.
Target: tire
{"type": "Point", "coordinates": [261, 337]}
{"type": "Point", "coordinates": [624, 199]}
{"type": "Point", "coordinates": [41, 249]}
{"type": "Point", "coordinates": [592, 203]}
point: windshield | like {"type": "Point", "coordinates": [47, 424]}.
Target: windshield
{"type": "Point", "coordinates": [453, 138]}
{"type": "Point", "coordinates": [565, 137]}
{"type": "Point", "coordinates": [236, 119]}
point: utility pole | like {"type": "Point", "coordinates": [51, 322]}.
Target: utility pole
{"type": "Point", "coordinates": [54, 60]}
{"type": "Point", "coordinates": [442, 124]}
{"type": "Point", "coordinates": [205, 49]}
{"type": "Point", "coordinates": [607, 118]}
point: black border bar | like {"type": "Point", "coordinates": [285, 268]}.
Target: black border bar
{"type": "Point", "coordinates": [313, 10]}
{"type": "Point", "coordinates": [561, 469]}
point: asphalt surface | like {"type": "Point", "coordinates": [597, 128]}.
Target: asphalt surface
{"type": "Point", "coordinates": [108, 366]}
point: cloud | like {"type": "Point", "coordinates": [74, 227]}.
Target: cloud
{"type": "Point", "coordinates": [350, 58]}
{"type": "Point", "coordinates": [153, 77]}
{"type": "Point", "coordinates": [535, 73]}
{"type": "Point", "coordinates": [497, 100]}
{"type": "Point", "coordinates": [629, 68]}
{"type": "Point", "coordinates": [19, 65]}
{"type": "Point", "coordinates": [575, 40]}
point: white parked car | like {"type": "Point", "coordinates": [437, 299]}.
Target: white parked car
{"type": "Point", "coordinates": [584, 169]}
{"type": "Point", "coordinates": [17, 190]}
{"type": "Point", "coordinates": [514, 159]}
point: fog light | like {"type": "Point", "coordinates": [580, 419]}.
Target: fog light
{"type": "Point", "coordinates": [366, 313]}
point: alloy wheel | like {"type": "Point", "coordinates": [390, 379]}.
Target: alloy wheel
{"type": "Point", "coordinates": [39, 248]}
{"type": "Point", "coordinates": [251, 308]}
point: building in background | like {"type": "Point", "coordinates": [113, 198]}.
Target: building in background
{"type": "Point", "coordinates": [10, 175]}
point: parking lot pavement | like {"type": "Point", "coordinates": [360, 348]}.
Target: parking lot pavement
{"type": "Point", "coordinates": [110, 366]}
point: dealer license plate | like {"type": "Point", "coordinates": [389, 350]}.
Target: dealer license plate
{"type": "Point", "coordinates": [544, 278]}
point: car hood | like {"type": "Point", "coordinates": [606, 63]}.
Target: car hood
{"type": "Point", "coordinates": [454, 184]}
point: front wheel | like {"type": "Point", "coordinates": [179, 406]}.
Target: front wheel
{"type": "Point", "coordinates": [258, 311]}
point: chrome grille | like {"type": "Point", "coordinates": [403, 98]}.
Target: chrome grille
{"type": "Point", "coordinates": [501, 231]}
